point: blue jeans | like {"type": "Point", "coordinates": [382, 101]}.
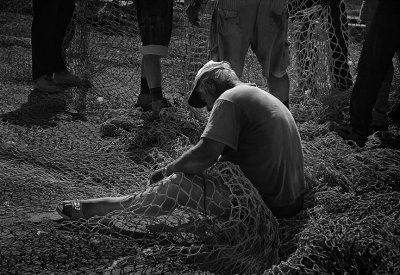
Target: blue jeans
{"type": "Point", "coordinates": [375, 61]}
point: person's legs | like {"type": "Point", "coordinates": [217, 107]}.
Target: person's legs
{"type": "Point", "coordinates": [43, 45]}
{"type": "Point", "coordinates": [61, 75]}
{"type": "Point", "coordinates": [144, 99]}
{"type": "Point", "coordinates": [152, 73]}
{"type": "Point", "coordinates": [155, 24]}
{"type": "Point", "coordinates": [64, 15]}
{"type": "Point", "coordinates": [279, 87]}
{"type": "Point", "coordinates": [272, 48]}
{"type": "Point", "coordinates": [374, 63]}
{"type": "Point", "coordinates": [380, 120]}
{"type": "Point", "coordinates": [162, 198]}
{"type": "Point", "coordinates": [231, 28]}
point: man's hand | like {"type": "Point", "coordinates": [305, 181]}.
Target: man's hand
{"type": "Point", "coordinates": [158, 175]}
{"type": "Point", "coordinates": [192, 12]}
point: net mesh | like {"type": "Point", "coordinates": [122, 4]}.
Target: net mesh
{"type": "Point", "coordinates": [91, 142]}
{"type": "Point", "coordinates": [192, 235]}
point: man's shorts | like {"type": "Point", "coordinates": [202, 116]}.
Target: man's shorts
{"type": "Point", "coordinates": [155, 25]}
{"type": "Point", "coordinates": [260, 24]}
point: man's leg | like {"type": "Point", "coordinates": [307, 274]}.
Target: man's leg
{"type": "Point", "coordinates": [152, 73]}
{"type": "Point", "coordinates": [232, 26]}
{"type": "Point", "coordinates": [374, 63]}
{"type": "Point", "coordinates": [43, 44]}
{"type": "Point", "coordinates": [155, 24]}
{"type": "Point", "coordinates": [64, 12]}
{"type": "Point", "coordinates": [380, 120]}
{"type": "Point", "coordinates": [272, 48]}
{"type": "Point", "coordinates": [61, 75]}
{"type": "Point", "coordinates": [161, 199]}
{"type": "Point", "coordinates": [279, 87]}
{"type": "Point", "coordinates": [144, 99]}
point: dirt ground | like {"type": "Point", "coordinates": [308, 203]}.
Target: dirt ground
{"type": "Point", "coordinates": [54, 148]}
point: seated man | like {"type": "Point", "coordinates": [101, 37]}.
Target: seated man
{"type": "Point", "coordinates": [248, 127]}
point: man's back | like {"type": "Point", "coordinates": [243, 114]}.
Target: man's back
{"type": "Point", "coordinates": [262, 138]}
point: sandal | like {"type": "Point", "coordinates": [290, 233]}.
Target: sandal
{"type": "Point", "coordinates": [70, 210]}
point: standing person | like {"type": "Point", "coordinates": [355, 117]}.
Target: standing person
{"type": "Point", "coordinates": [248, 127]}
{"type": "Point", "coordinates": [50, 21]}
{"type": "Point", "coordinates": [374, 63]}
{"type": "Point", "coordinates": [259, 24]}
{"type": "Point", "coordinates": [380, 121]}
{"type": "Point", "coordinates": [155, 24]}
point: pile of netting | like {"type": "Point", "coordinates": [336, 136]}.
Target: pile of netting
{"type": "Point", "coordinates": [92, 142]}
{"type": "Point", "coordinates": [244, 241]}
{"type": "Point", "coordinates": [354, 215]}
{"type": "Point", "coordinates": [105, 46]}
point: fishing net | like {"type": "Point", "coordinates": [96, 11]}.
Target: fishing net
{"type": "Point", "coordinates": [245, 240]}
{"type": "Point", "coordinates": [320, 37]}
{"type": "Point", "coordinates": [92, 142]}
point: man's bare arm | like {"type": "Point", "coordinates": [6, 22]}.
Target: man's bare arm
{"type": "Point", "coordinates": [195, 160]}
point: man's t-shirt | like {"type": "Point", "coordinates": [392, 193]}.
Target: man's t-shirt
{"type": "Point", "coordinates": [262, 138]}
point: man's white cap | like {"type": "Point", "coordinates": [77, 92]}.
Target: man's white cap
{"type": "Point", "coordinates": [194, 97]}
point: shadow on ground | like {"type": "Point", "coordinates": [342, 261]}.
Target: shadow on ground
{"type": "Point", "coordinates": [42, 109]}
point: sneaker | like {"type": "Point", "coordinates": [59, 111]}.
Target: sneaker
{"type": "Point", "coordinates": [46, 84]}
{"type": "Point", "coordinates": [65, 78]}
{"type": "Point", "coordinates": [158, 105]}
{"type": "Point", "coordinates": [347, 133]}
{"type": "Point", "coordinates": [380, 121]}
{"type": "Point", "coordinates": [144, 101]}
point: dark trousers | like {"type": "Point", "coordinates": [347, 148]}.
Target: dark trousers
{"type": "Point", "coordinates": [50, 21]}
{"type": "Point", "coordinates": [381, 43]}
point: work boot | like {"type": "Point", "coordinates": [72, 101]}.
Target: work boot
{"type": "Point", "coordinates": [380, 121]}
{"type": "Point", "coordinates": [46, 84]}
{"type": "Point", "coordinates": [158, 105]}
{"type": "Point", "coordinates": [65, 78]}
{"type": "Point", "coordinates": [144, 101]}
{"type": "Point", "coordinates": [347, 133]}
